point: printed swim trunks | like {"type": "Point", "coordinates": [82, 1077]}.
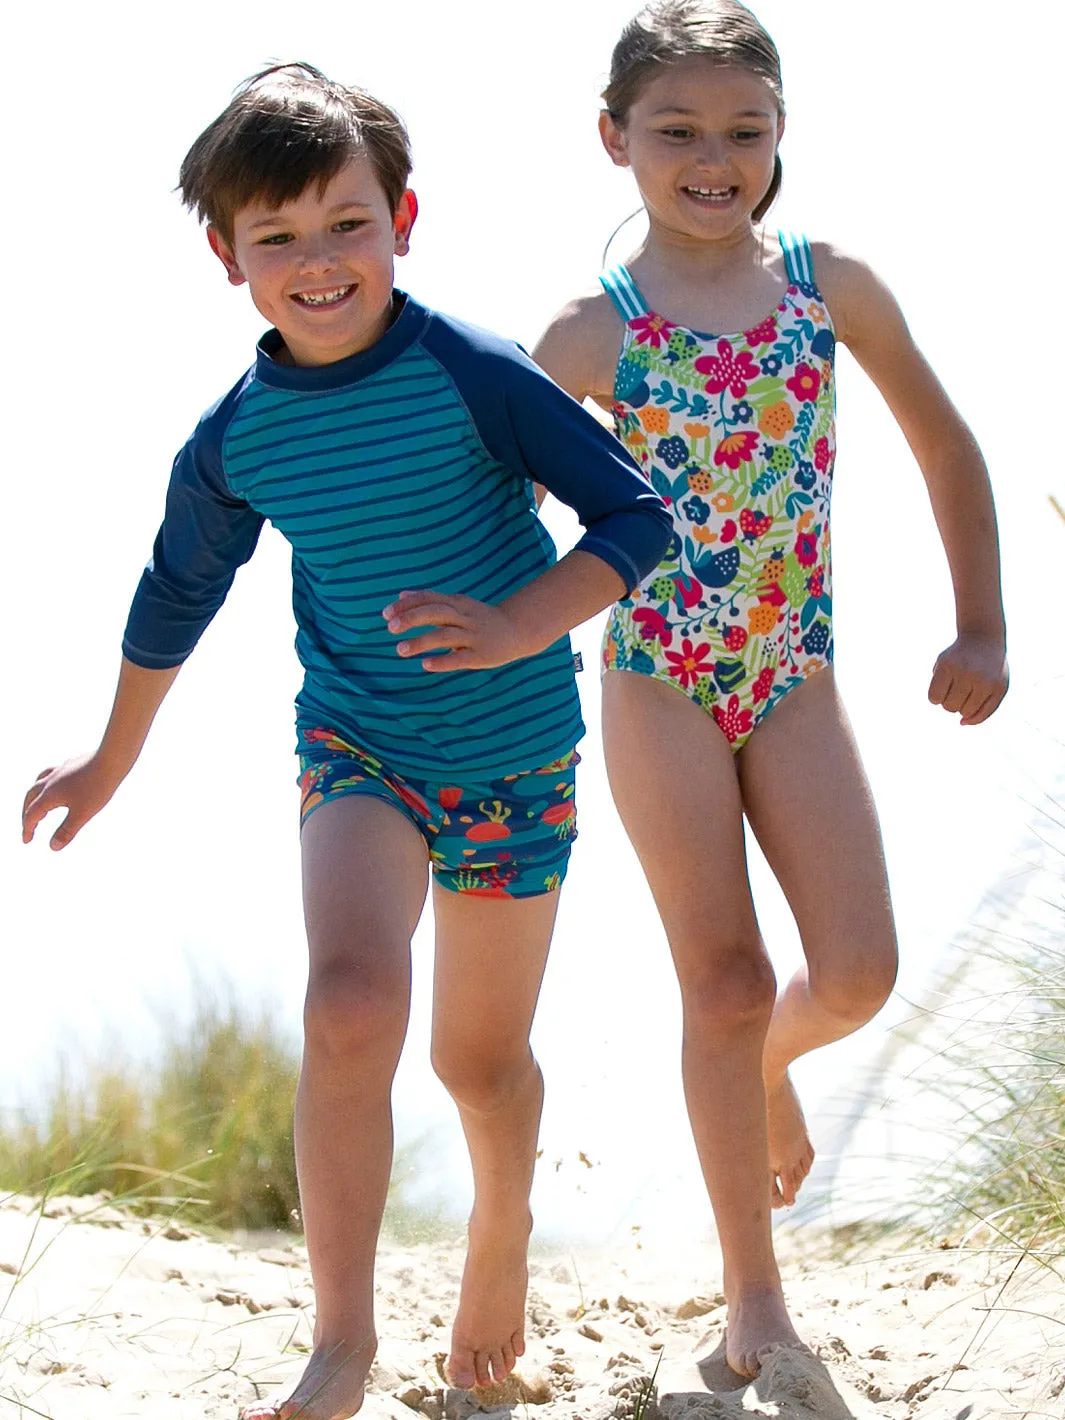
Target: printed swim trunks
{"type": "Point", "coordinates": [507, 837]}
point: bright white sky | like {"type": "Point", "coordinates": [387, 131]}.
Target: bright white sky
{"type": "Point", "coordinates": [928, 147]}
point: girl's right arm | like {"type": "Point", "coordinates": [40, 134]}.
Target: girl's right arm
{"type": "Point", "coordinates": [83, 786]}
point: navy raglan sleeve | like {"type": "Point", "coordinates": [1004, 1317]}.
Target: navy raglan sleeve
{"type": "Point", "coordinates": [206, 534]}
{"type": "Point", "coordinates": [527, 422]}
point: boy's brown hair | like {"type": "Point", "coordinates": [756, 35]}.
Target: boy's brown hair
{"type": "Point", "coordinates": [285, 128]}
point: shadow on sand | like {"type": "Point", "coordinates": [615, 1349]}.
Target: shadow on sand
{"type": "Point", "coordinates": [793, 1385]}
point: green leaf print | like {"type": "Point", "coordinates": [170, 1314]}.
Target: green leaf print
{"type": "Point", "coordinates": [793, 581]}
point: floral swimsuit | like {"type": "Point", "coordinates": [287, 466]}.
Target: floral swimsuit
{"type": "Point", "coordinates": [736, 433]}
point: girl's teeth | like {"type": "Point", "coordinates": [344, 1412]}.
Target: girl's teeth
{"type": "Point", "coordinates": [717, 192]}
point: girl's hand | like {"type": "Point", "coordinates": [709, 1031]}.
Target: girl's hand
{"type": "Point", "coordinates": [81, 786]}
{"type": "Point", "coordinates": [971, 677]}
{"type": "Point", "coordinates": [476, 635]}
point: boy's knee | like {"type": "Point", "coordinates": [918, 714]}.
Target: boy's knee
{"type": "Point", "coordinates": [479, 1081]}
{"type": "Point", "coordinates": [734, 992]}
{"type": "Point", "coordinates": [351, 1009]}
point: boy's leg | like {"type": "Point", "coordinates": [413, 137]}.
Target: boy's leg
{"type": "Point", "coordinates": [674, 781]}
{"type": "Point", "coordinates": [490, 957]}
{"type": "Point", "coordinates": [810, 806]}
{"type": "Point", "coordinates": [364, 883]}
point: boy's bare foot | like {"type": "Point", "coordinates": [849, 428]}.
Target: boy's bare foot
{"type": "Point", "coordinates": [331, 1388]}
{"type": "Point", "coordinates": [758, 1321]}
{"type": "Point", "coordinates": [791, 1153]}
{"type": "Point", "coordinates": [489, 1330]}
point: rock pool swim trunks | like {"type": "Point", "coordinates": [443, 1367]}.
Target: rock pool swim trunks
{"type": "Point", "coordinates": [505, 837]}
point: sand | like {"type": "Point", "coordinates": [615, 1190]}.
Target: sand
{"type": "Point", "coordinates": [105, 1315]}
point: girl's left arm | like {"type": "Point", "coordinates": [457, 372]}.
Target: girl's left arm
{"type": "Point", "coordinates": [971, 676]}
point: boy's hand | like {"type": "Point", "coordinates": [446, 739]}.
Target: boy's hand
{"type": "Point", "coordinates": [81, 786]}
{"type": "Point", "coordinates": [971, 677]}
{"type": "Point", "coordinates": [476, 635]}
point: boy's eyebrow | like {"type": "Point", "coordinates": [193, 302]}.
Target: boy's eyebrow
{"type": "Point", "coordinates": [275, 219]}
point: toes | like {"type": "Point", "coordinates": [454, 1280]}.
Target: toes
{"type": "Point", "coordinates": [460, 1370]}
{"type": "Point", "coordinates": [776, 1198]}
{"type": "Point", "coordinates": [509, 1358]}
{"type": "Point", "coordinates": [497, 1363]}
{"type": "Point", "coordinates": [518, 1343]}
{"type": "Point", "coordinates": [481, 1366]}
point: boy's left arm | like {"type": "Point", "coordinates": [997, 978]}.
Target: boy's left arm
{"type": "Point", "coordinates": [537, 428]}
{"type": "Point", "coordinates": [971, 676]}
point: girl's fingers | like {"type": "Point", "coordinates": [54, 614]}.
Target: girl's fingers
{"type": "Point", "coordinates": [942, 683]}
{"type": "Point", "coordinates": [66, 831]}
{"type": "Point", "coordinates": [35, 789]}
{"type": "Point", "coordinates": [984, 710]}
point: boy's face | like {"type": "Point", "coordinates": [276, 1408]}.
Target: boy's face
{"type": "Point", "coordinates": [319, 268]}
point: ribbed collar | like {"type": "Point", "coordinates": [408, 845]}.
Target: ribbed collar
{"type": "Point", "coordinates": [403, 332]}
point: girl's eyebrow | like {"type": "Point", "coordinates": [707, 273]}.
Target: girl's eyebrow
{"type": "Point", "coordinates": [691, 112]}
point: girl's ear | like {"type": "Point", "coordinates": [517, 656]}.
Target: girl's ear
{"type": "Point", "coordinates": [613, 139]}
{"type": "Point", "coordinates": [224, 252]}
{"type": "Point", "coordinates": [404, 220]}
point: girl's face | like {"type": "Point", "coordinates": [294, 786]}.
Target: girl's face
{"type": "Point", "coordinates": [700, 140]}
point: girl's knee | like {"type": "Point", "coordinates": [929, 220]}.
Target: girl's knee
{"type": "Point", "coordinates": [482, 1081]}
{"type": "Point", "coordinates": [857, 989]}
{"type": "Point", "coordinates": [733, 992]}
{"type": "Point", "coordinates": [352, 1010]}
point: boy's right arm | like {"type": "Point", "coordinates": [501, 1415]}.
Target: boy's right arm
{"type": "Point", "coordinates": [83, 786]}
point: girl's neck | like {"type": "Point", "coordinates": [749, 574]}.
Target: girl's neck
{"type": "Point", "coordinates": [691, 256]}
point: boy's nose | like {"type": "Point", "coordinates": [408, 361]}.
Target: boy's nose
{"type": "Point", "coordinates": [318, 255]}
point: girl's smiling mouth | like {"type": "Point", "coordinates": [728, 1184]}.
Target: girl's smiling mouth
{"type": "Point", "coordinates": [711, 195]}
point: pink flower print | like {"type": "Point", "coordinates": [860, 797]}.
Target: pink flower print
{"type": "Point", "coordinates": [727, 370]}
{"type": "Point", "coordinates": [805, 382]}
{"type": "Point", "coordinates": [763, 684]}
{"type": "Point", "coordinates": [652, 330]}
{"type": "Point", "coordinates": [690, 663]}
{"type": "Point", "coordinates": [735, 449]}
{"type": "Point", "coordinates": [652, 625]}
{"type": "Point", "coordinates": [762, 334]}
{"type": "Point", "coordinates": [806, 549]}
{"type": "Point", "coordinates": [821, 453]}
{"type": "Point", "coordinates": [728, 530]}
{"type": "Point", "coordinates": [733, 720]}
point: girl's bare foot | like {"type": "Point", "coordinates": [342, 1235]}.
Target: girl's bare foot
{"type": "Point", "coordinates": [758, 1321]}
{"type": "Point", "coordinates": [791, 1153]}
{"type": "Point", "coordinates": [331, 1388]}
{"type": "Point", "coordinates": [489, 1330]}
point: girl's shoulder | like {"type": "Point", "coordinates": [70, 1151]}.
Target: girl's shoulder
{"type": "Point", "coordinates": [579, 349]}
{"type": "Point", "coordinates": [855, 295]}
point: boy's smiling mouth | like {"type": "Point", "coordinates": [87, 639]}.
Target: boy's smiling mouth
{"type": "Point", "coordinates": [331, 297]}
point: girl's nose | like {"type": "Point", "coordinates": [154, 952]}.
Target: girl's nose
{"type": "Point", "coordinates": [712, 154]}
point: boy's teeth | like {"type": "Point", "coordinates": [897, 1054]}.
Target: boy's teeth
{"type": "Point", "coordinates": [322, 298]}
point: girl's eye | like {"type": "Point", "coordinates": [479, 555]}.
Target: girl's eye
{"type": "Point", "coordinates": [747, 135]}
{"type": "Point", "coordinates": [677, 132]}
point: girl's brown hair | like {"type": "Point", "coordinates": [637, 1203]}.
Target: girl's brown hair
{"type": "Point", "coordinates": [285, 128]}
{"type": "Point", "coordinates": [665, 31]}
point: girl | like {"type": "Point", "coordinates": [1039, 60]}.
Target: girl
{"type": "Point", "coordinates": [725, 652]}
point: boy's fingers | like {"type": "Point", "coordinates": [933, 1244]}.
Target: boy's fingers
{"type": "Point", "coordinates": [65, 832]}
{"type": "Point", "coordinates": [457, 661]}
{"type": "Point", "coordinates": [35, 788]}
{"type": "Point", "coordinates": [940, 688]}
{"type": "Point", "coordinates": [446, 639]}
{"type": "Point", "coordinates": [984, 710]}
{"type": "Point", "coordinates": [431, 613]}
{"type": "Point", "coordinates": [33, 813]}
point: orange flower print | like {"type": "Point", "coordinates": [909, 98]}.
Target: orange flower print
{"type": "Point", "coordinates": [762, 618]}
{"type": "Point", "coordinates": [703, 535]}
{"type": "Point", "coordinates": [697, 431]}
{"type": "Point", "coordinates": [654, 419]}
{"type": "Point", "coordinates": [776, 420]}
{"type": "Point", "coordinates": [723, 502]}
{"type": "Point", "coordinates": [816, 313]}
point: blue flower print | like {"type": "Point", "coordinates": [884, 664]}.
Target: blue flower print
{"type": "Point", "coordinates": [805, 474]}
{"type": "Point", "coordinates": [771, 364]}
{"type": "Point", "coordinates": [672, 451]}
{"type": "Point", "coordinates": [696, 510]}
{"type": "Point", "coordinates": [742, 412]}
{"type": "Point", "coordinates": [815, 642]}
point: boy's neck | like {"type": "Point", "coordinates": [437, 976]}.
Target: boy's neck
{"type": "Point", "coordinates": [315, 359]}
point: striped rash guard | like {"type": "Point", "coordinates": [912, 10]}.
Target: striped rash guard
{"type": "Point", "coordinates": [408, 465]}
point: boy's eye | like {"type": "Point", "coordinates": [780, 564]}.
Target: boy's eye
{"type": "Point", "coordinates": [277, 239]}
{"type": "Point", "coordinates": [350, 224]}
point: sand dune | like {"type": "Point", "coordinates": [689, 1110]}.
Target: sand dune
{"type": "Point", "coordinates": [109, 1316]}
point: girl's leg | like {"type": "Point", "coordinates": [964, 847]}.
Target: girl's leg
{"type": "Point", "coordinates": [490, 957]}
{"type": "Point", "coordinates": [364, 882]}
{"type": "Point", "coordinates": [674, 781]}
{"type": "Point", "coordinates": [808, 801]}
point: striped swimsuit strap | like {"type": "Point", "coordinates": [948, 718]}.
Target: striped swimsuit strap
{"type": "Point", "coordinates": [630, 304]}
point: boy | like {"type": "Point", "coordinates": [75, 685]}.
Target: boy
{"type": "Point", "coordinates": [396, 450]}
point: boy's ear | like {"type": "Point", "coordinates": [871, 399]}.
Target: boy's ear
{"type": "Point", "coordinates": [613, 140]}
{"type": "Point", "coordinates": [224, 252]}
{"type": "Point", "coordinates": [404, 220]}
